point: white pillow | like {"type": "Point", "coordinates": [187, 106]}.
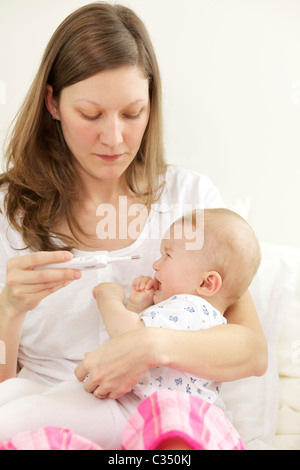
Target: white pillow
{"type": "Point", "coordinates": [254, 401]}
{"type": "Point", "coordinates": [241, 206]}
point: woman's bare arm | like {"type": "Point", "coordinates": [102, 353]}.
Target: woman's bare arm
{"type": "Point", "coordinates": [25, 288]}
{"type": "Point", "coordinates": [223, 353]}
{"type": "Point", "coordinates": [10, 333]}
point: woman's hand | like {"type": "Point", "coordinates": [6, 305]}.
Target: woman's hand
{"type": "Point", "coordinates": [117, 366]}
{"type": "Point", "coordinates": [25, 288]}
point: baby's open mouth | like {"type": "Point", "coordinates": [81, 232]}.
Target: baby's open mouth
{"type": "Point", "coordinates": [157, 287]}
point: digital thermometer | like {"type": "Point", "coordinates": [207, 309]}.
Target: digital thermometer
{"type": "Point", "coordinates": [87, 262]}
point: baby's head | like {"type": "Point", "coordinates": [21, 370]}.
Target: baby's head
{"type": "Point", "coordinates": [220, 269]}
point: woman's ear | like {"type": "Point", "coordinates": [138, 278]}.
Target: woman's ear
{"type": "Point", "coordinates": [211, 283]}
{"type": "Point", "coordinates": [51, 103]}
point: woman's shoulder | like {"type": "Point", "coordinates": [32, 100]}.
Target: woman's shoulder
{"type": "Point", "coordinates": [186, 176]}
{"type": "Point", "coordinates": [10, 239]}
{"type": "Point", "coordinates": [192, 187]}
{"type": "Point", "coordinates": [182, 171]}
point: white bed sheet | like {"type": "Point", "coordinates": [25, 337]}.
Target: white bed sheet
{"type": "Point", "coordinates": [266, 410]}
{"type": "Point", "coordinates": [288, 425]}
{"type": "Point", "coordinates": [270, 418]}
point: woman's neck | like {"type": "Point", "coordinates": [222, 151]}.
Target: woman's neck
{"type": "Point", "coordinates": [102, 191]}
{"type": "Point", "coordinates": [103, 212]}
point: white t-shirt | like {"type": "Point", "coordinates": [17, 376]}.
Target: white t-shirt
{"type": "Point", "coordinates": [67, 323]}
{"type": "Point", "coordinates": [180, 312]}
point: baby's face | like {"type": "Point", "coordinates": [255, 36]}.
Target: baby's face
{"type": "Point", "coordinates": [178, 270]}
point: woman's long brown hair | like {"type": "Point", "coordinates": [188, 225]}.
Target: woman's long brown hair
{"type": "Point", "coordinates": [40, 178]}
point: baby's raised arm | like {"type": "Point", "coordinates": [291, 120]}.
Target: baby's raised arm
{"type": "Point", "coordinates": [118, 319]}
{"type": "Point", "coordinates": [110, 299]}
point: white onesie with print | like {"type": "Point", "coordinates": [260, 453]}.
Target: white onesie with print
{"type": "Point", "coordinates": [180, 312]}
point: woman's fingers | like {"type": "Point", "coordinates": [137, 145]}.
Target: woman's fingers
{"type": "Point", "coordinates": [26, 287]}
{"type": "Point", "coordinates": [117, 366]}
{"type": "Point", "coordinates": [40, 278]}
{"type": "Point", "coordinates": [39, 259]}
{"type": "Point", "coordinates": [82, 372]}
{"type": "Point", "coordinates": [20, 270]}
{"type": "Point", "coordinates": [37, 288]}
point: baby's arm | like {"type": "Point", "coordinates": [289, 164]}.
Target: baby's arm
{"type": "Point", "coordinates": [118, 319]}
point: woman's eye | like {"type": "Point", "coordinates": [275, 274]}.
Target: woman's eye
{"type": "Point", "coordinates": [127, 116]}
{"type": "Point", "coordinates": [90, 118]}
{"type": "Point", "coordinates": [133, 116]}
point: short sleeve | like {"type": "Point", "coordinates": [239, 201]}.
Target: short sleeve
{"type": "Point", "coordinates": [182, 312]}
{"type": "Point", "coordinates": [188, 188]}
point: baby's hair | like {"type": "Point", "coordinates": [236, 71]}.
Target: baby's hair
{"type": "Point", "coordinates": [230, 247]}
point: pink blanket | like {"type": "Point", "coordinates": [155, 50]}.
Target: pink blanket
{"type": "Point", "coordinates": [159, 417]}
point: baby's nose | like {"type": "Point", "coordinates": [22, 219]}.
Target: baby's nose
{"type": "Point", "coordinates": [156, 265]}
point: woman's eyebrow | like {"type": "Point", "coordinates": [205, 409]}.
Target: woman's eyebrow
{"type": "Point", "coordinates": [97, 104]}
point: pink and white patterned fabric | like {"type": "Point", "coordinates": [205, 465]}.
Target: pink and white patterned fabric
{"type": "Point", "coordinates": [167, 414]}
{"type": "Point", "coordinates": [49, 438]}
{"type": "Point", "coordinates": [162, 415]}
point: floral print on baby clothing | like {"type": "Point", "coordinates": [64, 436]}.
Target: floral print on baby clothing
{"type": "Point", "coordinates": [180, 312]}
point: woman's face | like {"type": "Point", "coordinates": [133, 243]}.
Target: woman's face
{"type": "Point", "coordinates": [103, 119]}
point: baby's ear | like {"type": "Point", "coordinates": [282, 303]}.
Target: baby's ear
{"type": "Point", "coordinates": [210, 285]}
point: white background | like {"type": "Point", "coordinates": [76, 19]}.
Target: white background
{"type": "Point", "coordinates": [231, 81]}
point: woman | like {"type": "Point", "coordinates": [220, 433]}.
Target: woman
{"type": "Point", "coordinates": [84, 165]}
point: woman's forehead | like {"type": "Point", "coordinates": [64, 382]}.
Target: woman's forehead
{"type": "Point", "coordinates": [126, 86]}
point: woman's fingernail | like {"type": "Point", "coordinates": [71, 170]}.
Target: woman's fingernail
{"type": "Point", "coordinates": [67, 255]}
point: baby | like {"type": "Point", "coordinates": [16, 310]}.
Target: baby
{"type": "Point", "coordinates": [191, 289]}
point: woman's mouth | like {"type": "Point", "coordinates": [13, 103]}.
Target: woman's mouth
{"type": "Point", "coordinates": [109, 158]}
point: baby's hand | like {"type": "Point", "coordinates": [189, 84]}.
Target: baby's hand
{"type": "Point", "coordinates": [109, 291]}
{"type": "Point", "coordinates": [141, 295]}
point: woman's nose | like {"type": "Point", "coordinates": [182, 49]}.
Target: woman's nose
{"type": "Point", "coordinates": [111, 132]}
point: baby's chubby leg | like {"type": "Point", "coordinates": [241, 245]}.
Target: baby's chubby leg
{"type": "Point", "coordinates": [69, 406]}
